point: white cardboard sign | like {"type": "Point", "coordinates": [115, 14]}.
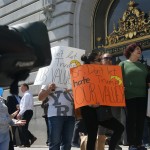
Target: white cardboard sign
{"type": "Point", "coordinates": [58, 72]}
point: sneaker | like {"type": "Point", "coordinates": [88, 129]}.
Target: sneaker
{"type": "Point", "coordinates": [133, 147]}
{"type": "Point", "coordinates": [33, 140]}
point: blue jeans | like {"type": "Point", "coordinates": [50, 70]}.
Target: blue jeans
{"type": "Point", "coordinates": [61, 132]}
{"type": "Point", "coordinates": [4, 144]}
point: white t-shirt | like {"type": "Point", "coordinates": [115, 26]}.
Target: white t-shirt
{"type": "Point", "coordinates": [60, 103]}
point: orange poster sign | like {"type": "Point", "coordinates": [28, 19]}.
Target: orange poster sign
{"type": "Point", "coordinates": [97, 84]}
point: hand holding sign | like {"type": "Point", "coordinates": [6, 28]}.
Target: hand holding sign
{"type": "Point", "coordinates": [51, 87]}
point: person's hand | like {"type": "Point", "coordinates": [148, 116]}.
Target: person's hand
{"type": "Point", "coordinates": [14, 114]}
{"type": "Point", "coordinates": [20, 122]}
{"type": "Point", "coordinates": [51, 87]}
{"type": "Point", "coordinates": [18, 116]}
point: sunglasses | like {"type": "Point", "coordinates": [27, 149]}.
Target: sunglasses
{"type": "Point", "coordinates": [97, 60]}
{"type": "Point", "coordinates": [107, 58]}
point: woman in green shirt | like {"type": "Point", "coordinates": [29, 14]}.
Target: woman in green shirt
{"type": "Point", "coordinates": [134, 76]}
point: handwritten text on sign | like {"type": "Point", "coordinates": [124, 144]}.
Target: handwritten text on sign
{"type": "Point", "coordinates": [97, 84]}
{"type": "Point", "coordinates": [63, 58]}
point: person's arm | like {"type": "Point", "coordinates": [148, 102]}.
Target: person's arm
{"type": "Point", "coordinates": [45, 92]}
{"type": "Point", "coordinates": [15, 122]}
{"type": "Point", "coordinates": [14, 114]}
{"type": "Point", "coordinates": [44, 103]}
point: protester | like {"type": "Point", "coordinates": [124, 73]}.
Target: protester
{"type": "Point", "coordinates": [60, 116]}
{"type": "Point", "coordinates": [90, 113]}
{"type": "Point", "coordinates": [135, 81]}
{"type": "Point", "coordinates": [113, 123]}
{"type": "Point", "coordinates": [5, 122]}
{"type": "Point", "coordinates": [26, 113]}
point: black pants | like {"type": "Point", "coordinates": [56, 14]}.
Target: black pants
{"type": "Point", "coordinates": [91, 123]}
{"type": "Point", "coordinates": [146, 133]}
{"type": "Point", "coordinates": [26, 133]}
{"type": "Point", "coordinates": [136, 113]}
{"type": "Point", "coordinates": [117, 128]}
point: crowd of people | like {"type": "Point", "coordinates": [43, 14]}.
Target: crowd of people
{"type": "Point", "coordinates": [64, 130]}
{"type": "Point", "coordinates": [135, 111]}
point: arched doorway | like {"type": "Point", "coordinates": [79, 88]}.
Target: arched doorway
{"type": "Point", "coordinates": [124, 22]}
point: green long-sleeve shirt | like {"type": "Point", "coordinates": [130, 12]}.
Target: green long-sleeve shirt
{"type": "Point", "coordinates": [134, 77]}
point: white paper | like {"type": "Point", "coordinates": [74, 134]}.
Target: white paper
{"type": "Point", "coordinates": [63, 58]}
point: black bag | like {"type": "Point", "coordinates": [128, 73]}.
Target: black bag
{"type": "Point", "coordinates": [104, 113]}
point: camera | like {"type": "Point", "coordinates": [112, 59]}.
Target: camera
{"type": "Point", "coordinates": [23, 48]}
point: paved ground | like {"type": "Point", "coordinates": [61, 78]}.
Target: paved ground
{"type": "Point", "coordinates": [42, 147]}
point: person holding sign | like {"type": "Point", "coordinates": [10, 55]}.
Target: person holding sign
{"type": "Point", "coordinates": [61, 118]}
{"type": "Point", "coordinates": [88, 113]}
{"type": "Point", "coordinates": [135, 75]}
{"type": "Point", "coordinates": [111, 122]}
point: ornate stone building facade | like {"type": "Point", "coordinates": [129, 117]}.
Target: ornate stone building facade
{"type": "Point", "coordinates": [84, 24]}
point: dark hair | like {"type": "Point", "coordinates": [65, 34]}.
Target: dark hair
{"type": "Point", "coordinates": [14, 88]}
{"type": "Point", "coordinates": [130, 48]}
{"type": "Point", "coordinates": [26, 85]}
{"type": "Point", "coordinates": [88, 59]}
